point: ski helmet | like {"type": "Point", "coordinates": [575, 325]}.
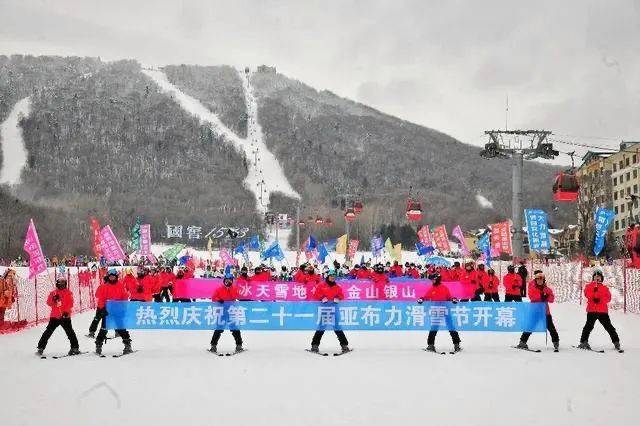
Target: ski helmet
{"type": "Point", "coordinates": [598, 272]}
{"type": "Point", "coordinates": [511, 268]}
{"type": "Point", "coordinates": [61, 283]}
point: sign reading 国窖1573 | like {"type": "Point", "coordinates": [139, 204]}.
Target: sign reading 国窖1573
{"type": "Point", "coordinates": [193, 232]}
{"type": "Point", "coordinates": [347, 315]}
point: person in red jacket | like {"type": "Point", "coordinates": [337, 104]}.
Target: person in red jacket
{"type": "Point", "coordinates": [111, 289]}
{"type": "Point", "coordinates": [512, 283]}
{"type": "Point", "coordinates": [439, 293]}
{"type": "Point", "coordinates": [179, 284]}
{"type": "Point", "coordinates": [598, 297]}
{"type": "Point", "coordinates": [328, 292]}
{"type": "Point", "coordinates": [479, 276]}
{"type": "Point", "coordinates": [226, 293]}
{"type": "Point", "coordinates": [134, 285]}
{"type": "Point", "coordinates": [490, 286]}
{"type": "Point", "coordinates": [396, 270]}
{"type": "Point", "coordinates": [468, 279]}
{"type": "Point", "coordinates": [455, 272]}
{"type": "Point", "coordinates": [412, 272]}
{"type": "Point", "coordinates": [539, 292]}
{"type": "Point", "coordinates": [61, 302]}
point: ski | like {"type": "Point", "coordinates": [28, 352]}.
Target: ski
{"type": "Point", "coordinates": [527, 349]}
{"type": "Point", "coordinates": [317, 353]}
{"type": "Point", "coordinates": [343, 353]}
{"type": "Point", "coordinates": [235, 353]}
{"type": "Point", "coordinates": [435, 352]}
{"type": "Point", "coordinates": [93, 337]}
{"type": "Point", "coordinates": [123, 354]}
{"type": "Point", "coordinates": [599, 351]}
{"type": "Point", "coordinates": [67, 355]}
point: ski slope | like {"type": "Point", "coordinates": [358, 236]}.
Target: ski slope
{"type": "Point", "coordinates": [268, 169]}
{"type": "Point", "coordinates": [387, 380]}
{"type": "Point", "coordinates": [14, 154]}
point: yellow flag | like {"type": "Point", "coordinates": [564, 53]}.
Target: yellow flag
{"type": "Point", "coordinates": [388, 246]}
{"type": "Point", "coordinates": [397, 252]}
{"type": "Point", "coordinates": [341, 245]}
{"type": "Point", "coordinates": [209, 247]}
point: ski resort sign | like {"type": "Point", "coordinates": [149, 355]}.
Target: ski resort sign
{"type": "Point", "coordinates": [193, 232]}
{"type": "Point", "coordinates": [348, 315]}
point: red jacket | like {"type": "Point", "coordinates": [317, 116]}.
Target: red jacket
{"type": "Point", "coordinates": [130, 283]}
{"type": "Point", "coordinates": [512, 284]}
{"type": "Point", "coordinates": [363, 274]}
{"type": "Point", "coordinates": [468, 279]}
{"type": "Point", "coordinates": [330, 292]}
{"type": "Point", "coordinates": [490, 284]}
{"type": "Point", "coordinates": [110, 292]}
{"type": "Point", "coordinates": [62, 306]}
{"type": "Point", "coordinates": [412, 273]}
{"type": "Point", "coordinates": [225, 294]}
{"type": "Point", "coordinates": [600, 291]}
{"type": "Point", "coordinates": [535, 295]}
{"type": "Point", "coordinates": [396, 270]}
{"type": "Point", "coordinates": [454, 274]}
{"type": "Point", "coordinates": [479, 277]}
{"type": "Point", "coordinates": [437, 293]}
{"type": "Point", "coordinates": [379, 278]}
{"type": "Point", "coordinates": [299, 276]}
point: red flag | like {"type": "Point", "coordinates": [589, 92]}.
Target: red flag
{"type": "Point", "coordinates": [441, 239]}
{"type": "Point", "coordinates": [425, 236]}
{"type": "Point", "coordinates": [37, 262]}
{"type": "Point", "coordinates": [501, 238]}
{"type": "Point", "coordinates": [95, 227]}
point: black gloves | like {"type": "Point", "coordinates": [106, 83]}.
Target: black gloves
{"type": "Point", "coordinates": [65, 315]}
{"type": "Point", "coordinates": [596, 300]}
{"type": "Point", "coordinates": [140, 289]}
{"type": "Point", "coordinates": [544, 297]}
{"type": "Point", "coordinates": [56, 297]}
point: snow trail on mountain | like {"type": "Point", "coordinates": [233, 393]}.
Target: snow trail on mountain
{"type": "Point", "coordinates": [267, 168]}
{"type": "Point", "coordinates": [14, 153]}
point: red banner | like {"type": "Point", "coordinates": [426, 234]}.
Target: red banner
{"type": "Point", "coordinates": [353, 248]}
{"type": "Point", "coordinates": [95, 227]}
{"type": "Point", "coordinates": [424, 235]}
{"type": "Point", "coordinates": [501, 238]}
{"type": "Point", "coordinates": [441, 239]}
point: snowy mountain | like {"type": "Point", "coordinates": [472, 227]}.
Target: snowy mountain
{"type": "Point", "coordinates": [217, 146]}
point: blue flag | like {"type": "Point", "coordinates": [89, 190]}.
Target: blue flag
{"type": "Point", "coordinates": [322, 253]}
{"type": "Point", "coordinates": [484, 246]}
{"type": "Point", "coordinates": [376, 246]}
{"type": "Point", "coordinates": [537, 230]}
{"type": "Point", "coordinates": [603, 220]}
{"type": "Point", "coordinates": [331, 244]}
{"type": "Point", "coordinates": [273, 250]}
{"type": "Point", "coordinates": [312, 243]}
{"type": "Point", "coordinates": [254, 243]}
{"type": "Point", "coordinates": [423, 250]}
{"type": "Point", "coordinates": [240, 249]}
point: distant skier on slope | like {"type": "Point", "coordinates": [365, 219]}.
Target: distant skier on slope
{"type": "Point", "coordinates": [61, 302]}
{"type": "Point", "coordinates": [226, 293]}
{"type": "Point", "coordinates": [329, 291]}
{"type": "Point", "coordinates": [539, 292]}
{"type": "Point", "coordinates": [598, 297]}
{"type": "Point", "coordinates": [438, 292]}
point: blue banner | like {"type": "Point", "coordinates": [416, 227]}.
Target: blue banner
{"type": "Point", "coordinates": [351, 315]}
{"type": "Point", "coordinates": [376, 246]}
{"type": "Point", "coordinates": [273, 250]}
{"type": "Point", "coordinates": [484, 246]}
{"type": "Point", "coordinates": [537, 230]}
{"type": "Point", "coordinates": [603, 220]}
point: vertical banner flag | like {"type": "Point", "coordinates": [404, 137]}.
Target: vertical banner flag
{"type": "Point", "coordinates": [210, 248]}
{"type": "Point", "coordinates": [485, 247]}
{"type": "Point", "coordinates": [322, 252]}
{"type": "Point", "coordinates": [37, 262]}
{"type": "Point", "coordinates": [604, 217]}
{"type": "Point", "coordinates": [397, 252]}
{"type": "Point", "coordinates": [145, 239]}
{"type": "Point", "coordinates": [501, 238]}
{"type": "Point", "coordinates": [110, 246]}
{"type": "Point", "coordinates": [353, 248]}
{"type": "Point", "coordinates": [134, 242]}
{"type": "Point", "coordinates": [441, 239]}
{"type": "Point", "coordinates": [537, 230]}
{"type": "Point", "coordinates": [376, 246]}
{"type": "Point", "coordinates": [173, 251]}
{"type": "Point", "coordinates": [341, 245]}
{"type": "Point", "coordinates": [459, 235]}
{"type": "Point", "coordinates": [227, 258]}
{"type": "Point", "coordinates": [95, 228]}
{"type": "Point", "coordinates": [424, 235]}
{"type": "Point", "coordinates": [388, 246]}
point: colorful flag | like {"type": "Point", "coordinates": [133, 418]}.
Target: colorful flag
{"type": "Point", "coordinates": [134, 242]}
{"type": "Point", "coordinates": [501, 238]}
{"type": "Point", "coordinates": [537, 230]}
{"type": "Point", "coordinates": [603, 220]}
{"type": "Point", "coordinates": [111, 248]}
{"type": "Point", "coordinates": [353, 248]}
{"type": "Point", "coordinates": [145, 239]}
{"type": "Point", "coordinates": [227, 258]}
{"type": "Point", "coordinates": [37, 262]}
{"type": "Point", "coordinates": [273, 250]}
{"type": "Point", "coordinates": [423, 250]}
{"type": "Point", "coordinates": [424, 235]}
{"type": "Point", "coordinates": [173, 251]}
{"type": "Point", "coordinates": [377, 244]}
{"type": "Point", "coordinates": [397, 252]}
{"type": "Point", "coordinates": [341, 245]}
{"type": "Point", "coordinates": [485, 247]}
{"type": "Point", "coordinates": [459, 235]}
{"type": "Point", "coordinates": [388, 246]}
{"type": "Point", "coordinates": [95, 228]}
{"type": "Point", "coordinates": [322, 253]}
{"type": "Point", "coordinates": [441, 239]}
{"type": "Point", "coordinates": [330, 245]}
{"type": "Point", "coordinates": [254, 242]}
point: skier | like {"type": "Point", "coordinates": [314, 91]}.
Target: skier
{"type": "Point", "coordinates": [93, 327]}
{"type": "Point", "coordinates": [490, 285]}
{"type": "Point", "coordinates": [439, 293]}
{"type": "Point", "coordinates": [61, 302]}
{"type": "Point", "coordinates": [111, 289]}
{"type": "Point", "coordinates": [598, 297]}
{"type": "Point", "coordinates": [226, 293]}
{"type": "Point", "coordinates": [329, 291]}
{"type": "Point", "coordinates": [512, 285]}
{"type": "Point", "coordinates": [539, 292]}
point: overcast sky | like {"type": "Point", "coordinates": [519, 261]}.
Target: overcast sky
{"type": "Point", "coordinates": [572, 67]}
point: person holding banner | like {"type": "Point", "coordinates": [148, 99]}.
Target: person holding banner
{"type": "Point", "coordinates": [539, 292]}
{"type": "Point", "coordinates": [598, 297]}
{"type": "Point", "coordinates": [61, 302]}
{"type": "Point", "coordinates": [330, 291]}
{"type": "Point", "coordinates": [439, 293]}
{"type": "Point", "coordinates": [512, 283]}
{"type": "Point", "coordinates": [111, 289]}
{"type": "Point", "coordinates": [226, 293]}
{"type": "Point", "coordinates": [468, 279]}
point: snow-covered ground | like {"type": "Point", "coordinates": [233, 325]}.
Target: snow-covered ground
{"type": "Point", "coordinates": [268, 167]}
{"type": "Point", "coordinates": [387, 380]}
{"type": "Point", "coordinates": [14, 154]}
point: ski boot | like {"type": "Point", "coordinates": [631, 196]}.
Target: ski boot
{"type": "Point", "coordinates": [522, 345]}
{"type": "Point", "coordinates": [556, 346]}
{"type": "Point", "coordinates": [315, 348]}
{"type": "Point", "coordinates": [213, 349]}
{"type": "Point", "coordinates": [40, 351]}
{"type": "Point", "coordinates": [91, 335]}
{"type": "Point", "coordinates": [239, 348]}
{"type": "Point", "coordinates": [431, 348]}
{"type": "Point", "coordinates": [584, 345]}
{"type": "Point", "coordinates": [74, 351]}
{"type": "Point", "coordinates": [345, 349]}
{"type": "Point", "coordinates": [456, 347]}
{"type": "Point", "coordinates": [127, 347]}
{"type": "Point", "coordinates": [98, 348]}
{"type": "Point", "coordinates": [617, 346]}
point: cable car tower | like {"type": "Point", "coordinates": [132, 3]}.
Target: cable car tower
{"type": "Point", "coordinates": [519, 145]}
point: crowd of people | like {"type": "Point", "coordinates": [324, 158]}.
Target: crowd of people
{"type": "Point", "coordinates": [156, 284]}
